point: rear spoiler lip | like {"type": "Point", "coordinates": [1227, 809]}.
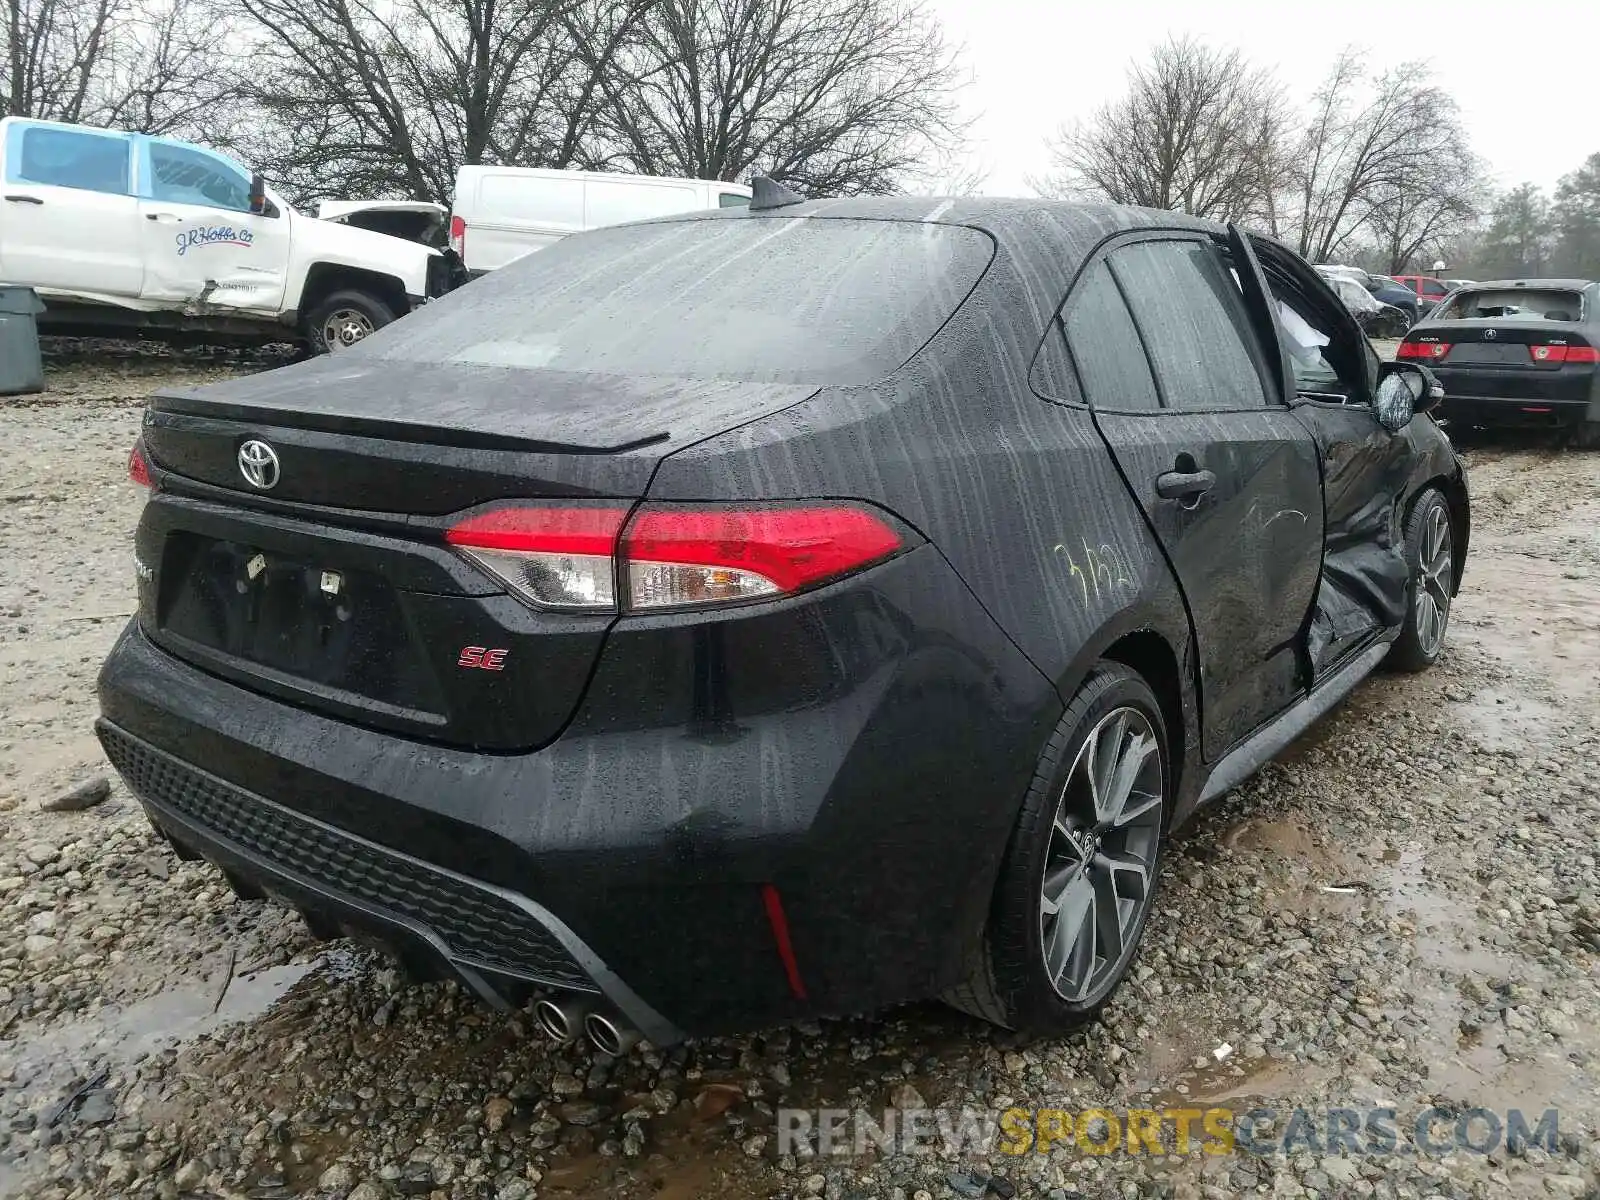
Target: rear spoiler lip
{"type": "Point", "coordinates": [181, 406]}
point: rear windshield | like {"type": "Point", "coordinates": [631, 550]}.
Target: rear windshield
{"type": "Point", "coordinates": [1521, 303]}
{"type": "Point", "coordinates": [777, 299]}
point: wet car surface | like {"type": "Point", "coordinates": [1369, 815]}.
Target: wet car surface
{"type": "Point", "coordinates": [1449, 959]}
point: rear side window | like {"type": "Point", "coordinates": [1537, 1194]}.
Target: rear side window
{"type": "Point", "coordinates": [1193, 319]}
{"type": "Point", "coordinates": [1521, 303]}
{"type": "Point", "coordinates": [180, 175]}
{"type": "Point", "coordinates": [70, 158]}
{"type": "Point", "coordinates": [773, 299]}
{"type": "Point", "coordinates": [1105, 346]}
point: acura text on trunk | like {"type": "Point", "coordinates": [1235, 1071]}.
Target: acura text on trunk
{"type": "Point", "coordinates": [750, 615]}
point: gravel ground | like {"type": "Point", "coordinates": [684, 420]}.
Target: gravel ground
{"type": "Point", "coordinates": [160, 1037]}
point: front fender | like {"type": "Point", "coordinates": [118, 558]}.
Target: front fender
{"type": "Point", "coordinates": [314, 242]}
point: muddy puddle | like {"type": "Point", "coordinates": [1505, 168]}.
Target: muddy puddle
{"type": "Point", "coordinates": [59, 1071]}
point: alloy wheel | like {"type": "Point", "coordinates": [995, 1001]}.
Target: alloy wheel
{"type": "Point", "coordinates": [1099, 872]}
{"type": "Point", "coordinates": [345, 327]}
{"type": "Point", "coordinates": [1433, 581]}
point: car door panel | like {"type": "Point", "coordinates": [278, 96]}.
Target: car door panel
{"type": "Point", "coordinates": [69, 214]}
{"type": "Point", "coordinates": [1244, 551]}
{"type": "Point", "coordinates": [202, 245]}
{"type": "Point", "coordinates": [1361, 591]}
{"type": "Point", "coordinates": [1228, 482]}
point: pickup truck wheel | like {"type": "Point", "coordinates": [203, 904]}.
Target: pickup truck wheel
{"type": "Point", "coordinates": [341, 319]}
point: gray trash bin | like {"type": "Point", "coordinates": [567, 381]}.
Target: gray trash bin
{"type": "Point", "coordinates": [21, 369]}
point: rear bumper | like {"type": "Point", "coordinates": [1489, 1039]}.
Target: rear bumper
{"type": "Point", "coordinates": [498, 944]}
{"type": "Point", "coordinates": [860, 752]}
{"type": "Point", "coordinates": [1523, 413]}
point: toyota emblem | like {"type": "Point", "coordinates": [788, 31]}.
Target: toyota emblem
{"type": "Point", "coordinates": [1489, 335]}
{"type": "Point", "coordinates": [258, 463]}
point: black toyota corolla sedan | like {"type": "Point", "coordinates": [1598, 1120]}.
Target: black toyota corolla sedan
{"type": "Point", "coordinates": [750, 615]}
{"type": "Point", "coordinates": [1523, 352]}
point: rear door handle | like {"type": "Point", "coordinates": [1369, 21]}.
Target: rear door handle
{"type": "Point", "coordinates": [24, 199]}
{"type": "Point", "coordinates": [162, 217]}
{"type": "Point", "coordinates": [1184, 485]}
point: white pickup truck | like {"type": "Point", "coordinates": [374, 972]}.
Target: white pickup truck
{"type": "Point", "coordinates": [125, 232]}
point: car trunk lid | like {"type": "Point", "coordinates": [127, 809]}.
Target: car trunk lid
{"type": "Point", "coordinates": [1506, 358]}
{"type": "Point", "coordinates": [333, 587]}
{"type": "Point", "coordinates": [431, 438]}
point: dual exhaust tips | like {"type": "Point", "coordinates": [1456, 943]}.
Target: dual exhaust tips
{"type": "Point", "coordinates": [563, 1020]}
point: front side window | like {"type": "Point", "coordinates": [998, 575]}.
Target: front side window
{"type": "Point", "coordinates": [181, 175]}
{"type": "Point", "coordinates": [733, 200]}
{"type": "Point", "coordinates": [70, 158]}
{"type": "Point", "coordinates": [1194, 323]}
{"type": "Point", "coordinates": [1105, 346]}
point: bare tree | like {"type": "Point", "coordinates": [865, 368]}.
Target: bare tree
{"type": "Point", "coordinates": [1200, 130]}
{"type": "Point", "coordinates": [832, 97]}
{"type": "Point", "coordinates": [373, 97]}
{"type": "Point", "coordinates": [150, 65]}
{"type": "Point", "coordinates": [1400, 158]}
{"type": "Point", "coordinates": [1426, 212]}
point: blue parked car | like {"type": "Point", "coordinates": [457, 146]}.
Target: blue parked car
{"type": "Point", "coordinates": [1397, 294]}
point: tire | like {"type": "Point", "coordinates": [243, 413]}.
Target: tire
{"type": "Point", "coordinates": [1586, 436]}
{"type": "Point", "coordinates": [1430, 553]}
{"type": "Point", "coordinates": [341, 319]}
{"type": "Point", "coordinates": [1011, 983]}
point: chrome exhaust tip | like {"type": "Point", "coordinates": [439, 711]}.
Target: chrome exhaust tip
{"type": "Point", "coordinates": [613, 1037]}
{"type": "Point", "coordinates": [561, 1020]}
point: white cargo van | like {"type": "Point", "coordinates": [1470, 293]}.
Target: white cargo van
{"type": "Point", "coordinates": [502, 213]}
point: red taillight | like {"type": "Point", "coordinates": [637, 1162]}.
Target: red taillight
{"type": "Point", "coordinates": [139, 467]}
{"type": "Point", "coordinates": [1431, 350]}
{"type": "Point", "coordinates": [572, 557]}
{"type": "Point", "coordinates": [555, 557]}
{"type": "Point", "coordinates": [678, 556]}
{"type": "Point", "coordinates": [1564, 354]}
{"type": "Point", "coordinates": [458, 236]}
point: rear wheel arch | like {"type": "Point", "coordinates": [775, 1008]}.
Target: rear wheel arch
{"type": "Point", "coordinates": [1154, 641]}
{"type": "Point", "coordinates": [1150, 655]}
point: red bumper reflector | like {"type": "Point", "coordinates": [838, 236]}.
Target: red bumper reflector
{"type": "Point", "coordinates": [780, 934]}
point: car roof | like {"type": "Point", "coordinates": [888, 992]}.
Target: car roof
{"type": "Point", "coordinates": [1040, 244]}
{"type": "Point", "coordinates": [1069, 227]}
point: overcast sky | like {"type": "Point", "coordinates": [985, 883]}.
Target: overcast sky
{"type": "Point", "coordinates": [1527, 76]}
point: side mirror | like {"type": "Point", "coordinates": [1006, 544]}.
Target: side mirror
{"type": "Point", "coordinates": [258, 195]}
{"type": "Point", "coordinates": [1405, 389]}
